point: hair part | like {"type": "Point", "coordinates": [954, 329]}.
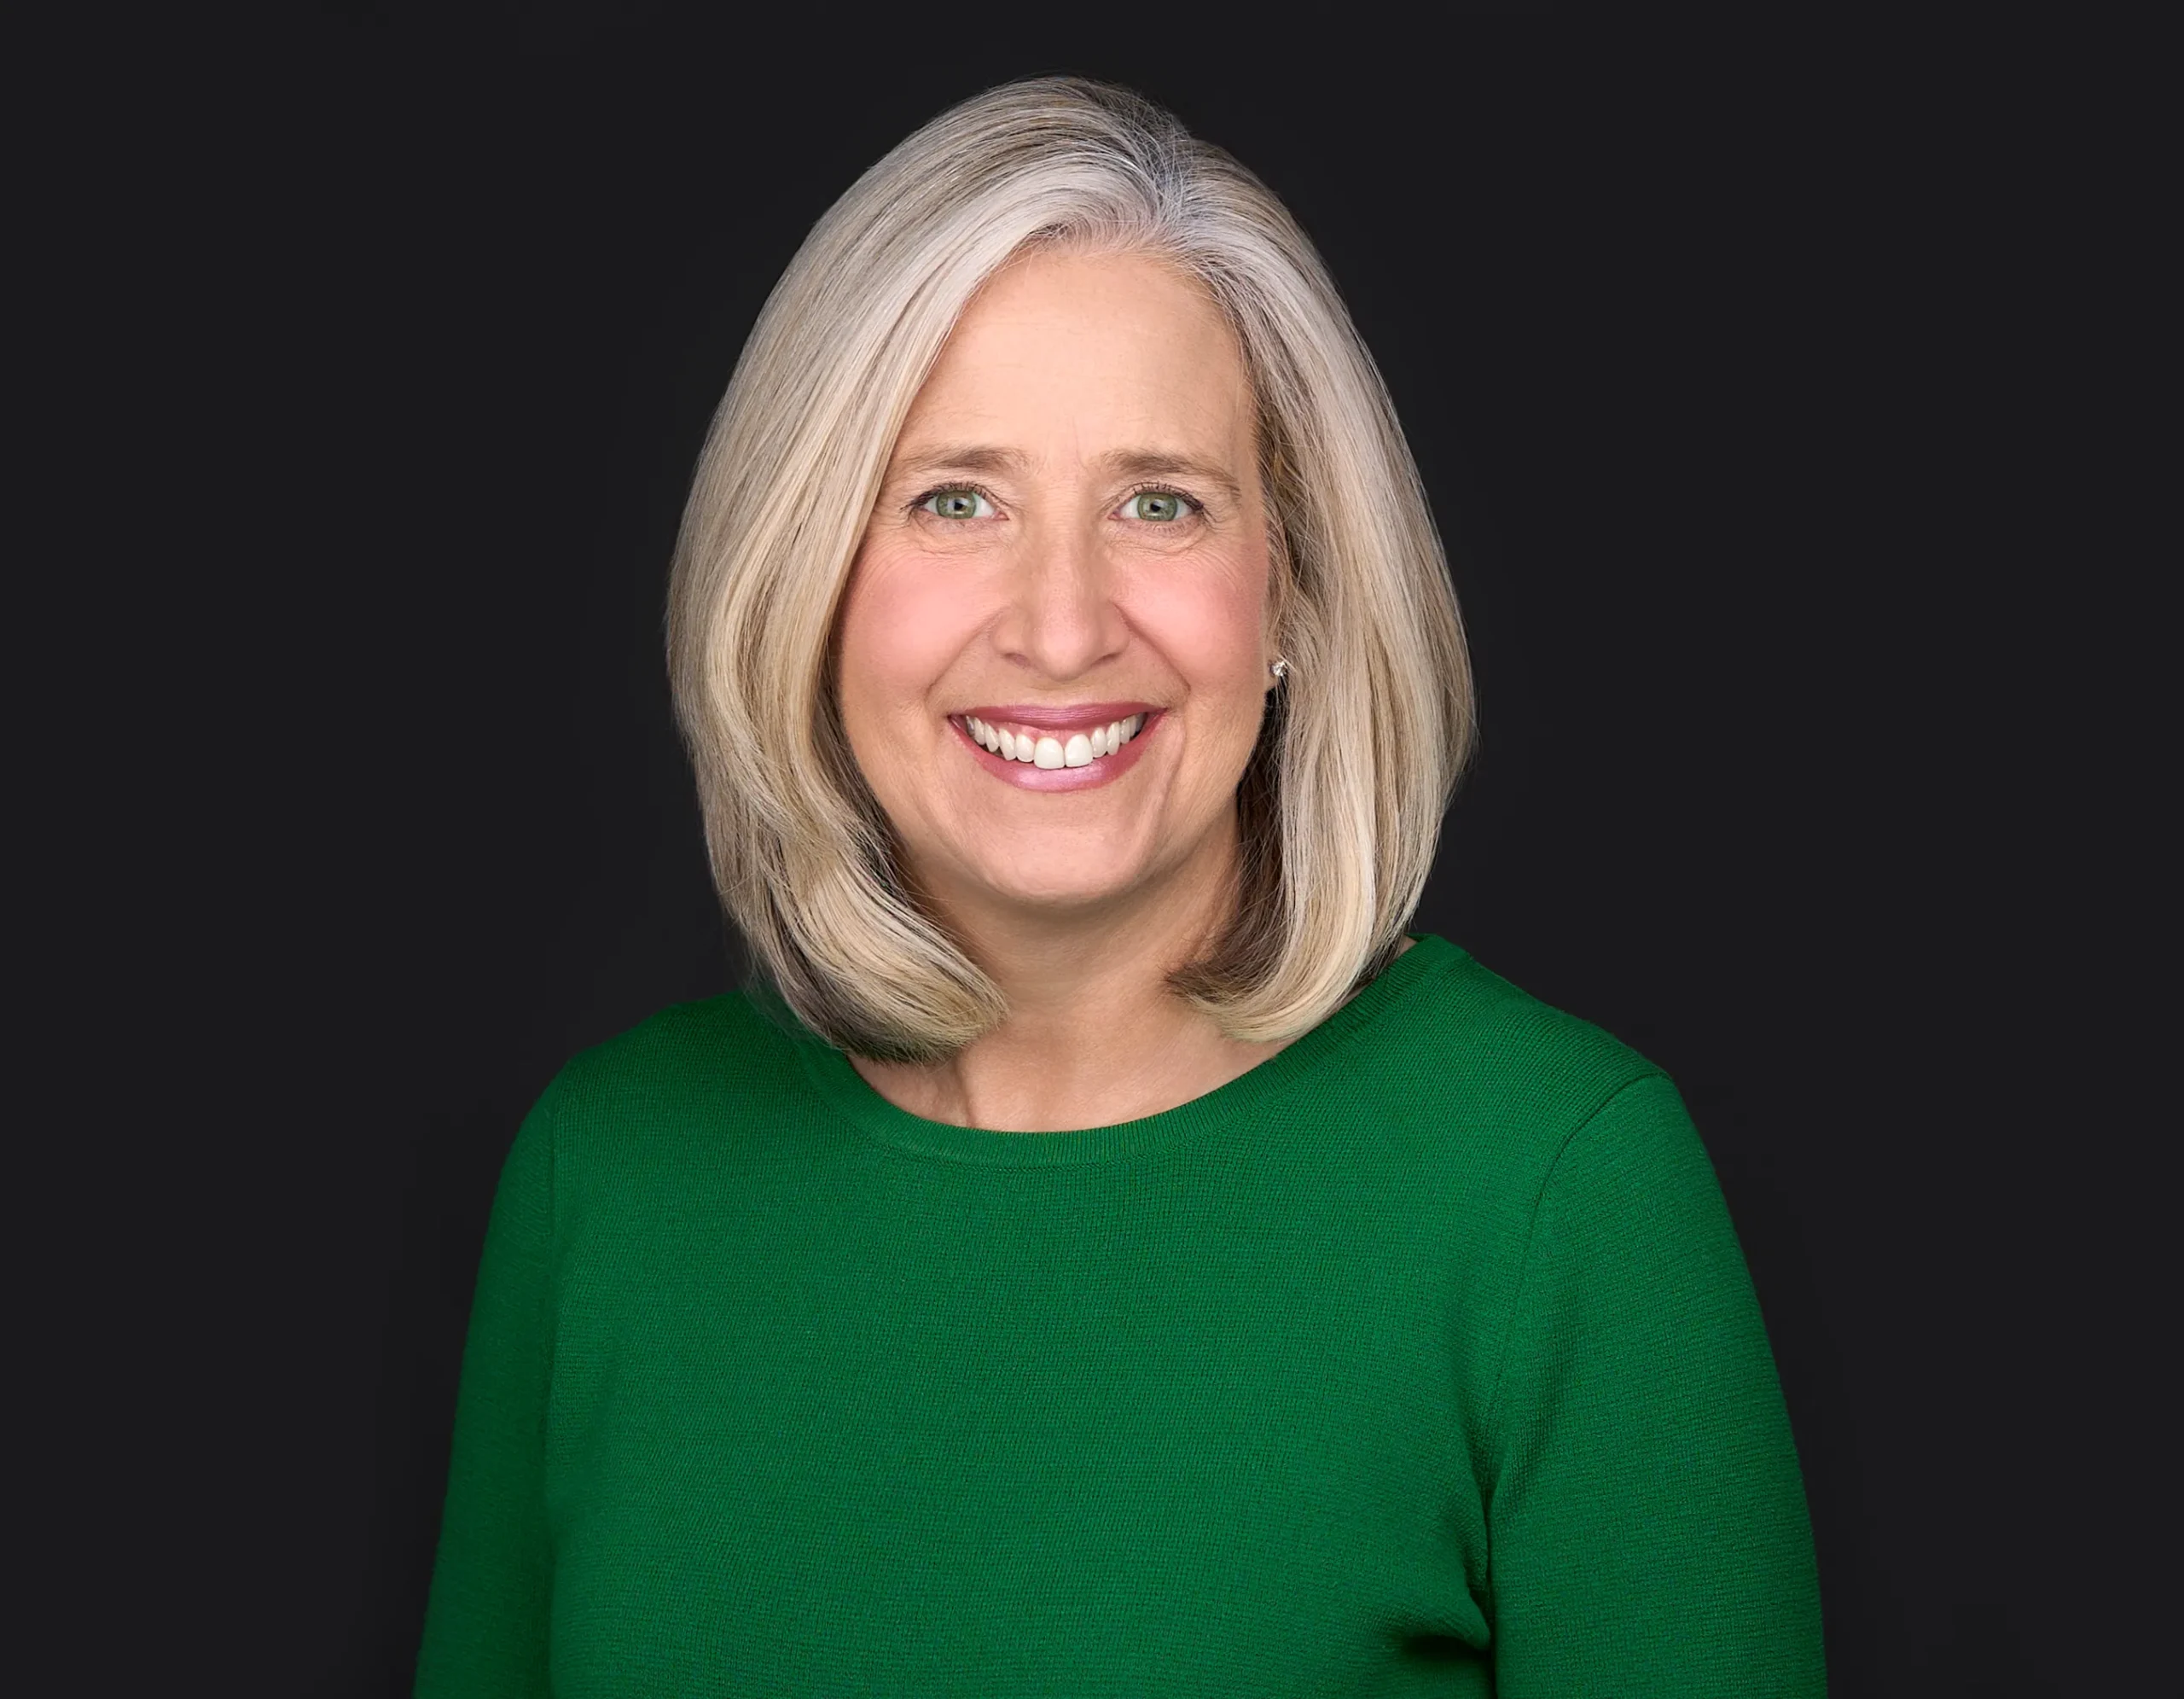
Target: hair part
{"type": "Point", "coordinates": [1341, 801]}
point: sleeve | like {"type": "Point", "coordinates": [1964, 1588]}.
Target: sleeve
{"type": "Point", "coordinates": [1647, 1523]}
{"type": "Point", "coordinates": [485, 1622]}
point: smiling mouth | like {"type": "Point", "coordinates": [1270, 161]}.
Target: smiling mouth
{"type": "Point", "coordinates": [1035, 746]}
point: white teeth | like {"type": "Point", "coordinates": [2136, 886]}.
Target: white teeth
{"type": "Point", "coordinates": [1077, 750]}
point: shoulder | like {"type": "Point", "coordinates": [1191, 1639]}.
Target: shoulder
{"type": "Point", "coordinates": [694, 1074]}
{"type": "Point", "coordinates": [1475, 1044]}
{"type": "Point", "coordinates": [1468, 1093]}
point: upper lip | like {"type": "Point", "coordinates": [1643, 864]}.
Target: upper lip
{"type": "Point", "coordinates": [1076, 717]}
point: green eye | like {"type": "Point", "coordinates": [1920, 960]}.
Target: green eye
{"type": "Point", "coordinates": [1157, 507]}
{"type": "Point", "coordinates": [958, 503]}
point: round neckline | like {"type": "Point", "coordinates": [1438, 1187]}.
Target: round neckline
{"type": "Point", "coordinates": [846, 1091]}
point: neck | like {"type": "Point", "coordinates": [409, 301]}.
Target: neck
{"type": "Point", "coordinates": [1094, 1035]}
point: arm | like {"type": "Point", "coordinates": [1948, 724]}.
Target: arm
{"type": "Point", "coordinates": [1647, 1519]}
{"type": "Point", "coordinates": [485, 1623]}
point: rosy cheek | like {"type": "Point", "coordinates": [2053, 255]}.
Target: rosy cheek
{"type": "Point", "coordinates": [1210, 617]}
{"type": "Point", "coordinates": [899, 624]}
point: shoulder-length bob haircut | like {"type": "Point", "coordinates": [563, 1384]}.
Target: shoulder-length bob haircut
{"type": "Point", "coordinates": [1341, 801]}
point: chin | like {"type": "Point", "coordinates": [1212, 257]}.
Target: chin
{"type": "Point", "coordinates": [1057, 888]}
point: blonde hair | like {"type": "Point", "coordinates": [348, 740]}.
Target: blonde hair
{"type": "Point", "coordinates": [1340, 804]}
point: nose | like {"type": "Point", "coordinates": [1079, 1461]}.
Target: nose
{"type": "Point", "coordinates": [1061, 620]}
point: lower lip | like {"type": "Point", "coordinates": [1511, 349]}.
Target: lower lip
{"type": "Point", "coordinates": [1027, 776]}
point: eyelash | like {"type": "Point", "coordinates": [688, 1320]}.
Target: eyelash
{"type": "Point", "coordinates": [978, 489]}
{"type": "Point", "coordinates": [1196, 506]}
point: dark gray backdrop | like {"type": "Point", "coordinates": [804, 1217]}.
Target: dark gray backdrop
{"type": "Point", "coordinates": [1701, 335]}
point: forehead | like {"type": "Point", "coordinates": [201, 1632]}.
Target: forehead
{"type": "Point", "coordinates": [1091, 351]}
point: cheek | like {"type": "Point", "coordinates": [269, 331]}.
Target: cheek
{"type": "Point", "coordinates": [899, 630]}
{"type": "Point", "coordinates": [1209, 623]}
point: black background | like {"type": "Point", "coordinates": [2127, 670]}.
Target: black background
{"type": "Point", "coordinates": [1705, 338]}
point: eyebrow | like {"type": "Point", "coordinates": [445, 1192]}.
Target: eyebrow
{"type": "Point", "coordinates": [1125, 462]}
{"type": "Point", "coordinates": [955, 457]}
{"type": "Point", "coordinates": [1148, 463]}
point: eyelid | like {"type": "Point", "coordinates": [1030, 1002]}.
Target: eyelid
{"type": "Point", "coordinates": [1196, 503]}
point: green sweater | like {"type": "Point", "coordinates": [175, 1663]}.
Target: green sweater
{"type": "Point", "coordinates": [1419, 1360]}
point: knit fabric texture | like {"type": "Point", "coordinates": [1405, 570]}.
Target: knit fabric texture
{"type": "Point", "coordinates": [1421, 1359]}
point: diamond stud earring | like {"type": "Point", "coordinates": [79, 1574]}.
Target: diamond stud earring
{"type": "Point", "coordinates": [1279, 667]}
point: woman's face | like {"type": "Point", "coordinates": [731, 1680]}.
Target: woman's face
{"type": "Point", "coordinates": [1068, 559]}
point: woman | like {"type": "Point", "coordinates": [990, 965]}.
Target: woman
{"type": "Point", "coordinates": [1109, 1256]}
